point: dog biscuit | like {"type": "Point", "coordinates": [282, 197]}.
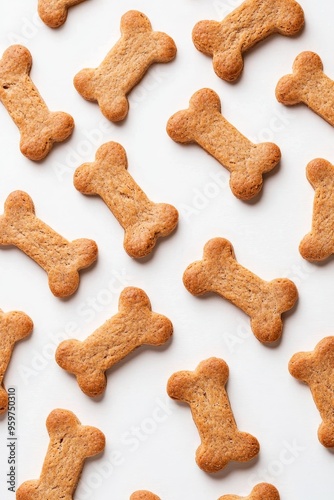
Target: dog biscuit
{"type": "Point", "coordinates": [54, 12]}
{"type": "Point", "coordinates": [125, 65]}
{"type": "Point", "coordinates": [134, 325]}
{"type": "Point", "coordinates": [204, 124]}
{"type": "Point", "coordinates": [143, 221]}
{"type": "Point", "coordinates": [39, 127]}
{"type": "Point", "coordinates": [60, 258]}
{"type": "Point", "coordinates": [248, 24]}
{"type": "Point", "coordinates": [143, 495]}
{"type": "Point", "coordinates": [204, 390]}
{"type": "Point", "coordinates": [319, 243]}
{"type": "Point", "coordinates": [309, 85]}
{"type": "Point", "coordinates": [263, 301]}
{"type": "Point", "coordinates": [262, 491]}
{"type": "Point", "coordinates": [14, 326]}
{"type": "Point", "coordinates": [70, 444]}
{"type": "Point", "coordinates": [316, 369]}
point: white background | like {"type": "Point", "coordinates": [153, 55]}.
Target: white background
{"type": "Point", "coordinates": [265, 233]}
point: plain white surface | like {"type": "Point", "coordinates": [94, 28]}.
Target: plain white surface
{"type": "Point", "coordinates": [151, 440]}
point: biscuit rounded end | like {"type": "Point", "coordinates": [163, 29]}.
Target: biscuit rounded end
{"type": "Point", "coordinates": [227, 61]}
{"type": "Point", "coordinates": [52, 16]}
{"type": "Point", "coordinates": [212, 459]}
{"type": "Point", "coordinates": [291, 19]}
{"type": "Point", "coordinates": [16, 60]}
{"type": "Point", "coordinates": [143, 495]}
{"type": "Point", "coordinates": [62, 282]}
{"type": "Point", "coordinates": [299, 366]}
{"type": "Point", "coordinates": [316, 247]}
{"type": "Point", "coordinates": [326, 434]}
{"type": "Point", "coordinates": [57, 128]}
{"type": "Point", "coordinates": [266, 491]}
{"type": "Point", "coordinates": [141, 238]}
{"type": "Point", "coordinates": [92, 384]}
{"type": "Point", "coordinates": [319, 171]}
{"type": "Point", "coordinates": [288, 91]}
{"type": "Point", "coordinates": [85, 84]}
{"type": "Point", "coordinates": [247, 182]}
{"type": "Point", "coordinates": [27, 490]}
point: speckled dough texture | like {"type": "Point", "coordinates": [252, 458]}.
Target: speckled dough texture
{"type": "Point", "coordinates": [263, 301]}
{"type": "Point", "coordinates": [144, 495]}
{"type": "Point", "coordinates": [262, 491]}
{"type": "Point", "coordinates": [39, 127]}
{"type": "Point", "coordinates": [134, 325]}
{"type": "Point", "coordinates": [316, 369]}
{"type": "Point", "coordinates": [60, 258]}
{"type": "Point", "coordinates": [248, 24]}
{"type": "Point", "coordinates": [14, 326]}
{"type": "Point", "coordinates": [203, 123]}
{"type": "Point", "coordinates": [309, 85]}
{"type": "Point", "coordinates": [318, 244]}
{"type": "Point", "coordinates": [125, 65]}
{"type": "Point", "coordinates": [143, 221]}
{"type": "Point", "coordinates": [70, 444]}
{"type": "Point", "coordinates": [204, 390]}
{"type": "Point", "coordinates": [54, 12]}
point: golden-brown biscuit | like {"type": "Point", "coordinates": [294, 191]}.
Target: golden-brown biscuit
{"type": "Point", "coordinates": [125, 65]}
{"type": "Point", "coordinates": [143, 495]}
{"type": "Point", "coordinates": [204, 390]}
{"type": "Point", "coordinates": [263, 301]}
{"type": "Point", "coordinates": [204, 124]}
{"type": "Point", "coordinates": [262, 491]}
{"type": "Point", "coordinates": [54, 12]}
{"type": "Point", "coordinates": [248, 24]}
{"type": "Point", "coordinates": [143, 221]}
{"type": "Point", "coordinates": [134, 325]}
{"type": "Point", "coordinates": [309, 85]}
{"type": "Point", "coordinates": [70, 444]}
{"type": "Point", "coordinates": [318, 244]}
{"type": "Point", "coordinates": [14, 326]}
{"type": "Point", "coordinates": [39, 127]}
{"type": "Point", "coordinates": [60, 258]}
{"type": "Point", "coordinates": [316, 369]}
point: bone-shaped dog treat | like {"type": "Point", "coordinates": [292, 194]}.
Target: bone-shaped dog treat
{"type": "Point", "coordinates": [60, 258]}
{"type": "Point", "coordinates": [262, 491]}
{"type": "Point", "coordinates": [54, 12]}
{"type": "Point", "coordinates": [14, 326]}
{"type": "Point", "coordinates": [248, 24]}
{"type": "Point", "coordinates": [133, 326]}
{"type": "Point", "coordinates": [204, 390]}
{"type": "Point", "coordinates": [204, 124]}
{"type": "Point", "coordinates": [143, 495]}
{"type": "Point", "coordinates": [143, 221]}
{"type": "Point", "coordinates": [309, 85]}
{"type": "Point", "coordinates": [125, 65]}
{"type": "Point", "coordinates": [263, 301]}
{"type": "Point", "coordinates": [70, 444]}
{"type": "Point", "coordinates": [317, 370]}
{"type": "Point", "coordinates": [319, 243]}
{"type": "Point", "coordinates": [39, 127]}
